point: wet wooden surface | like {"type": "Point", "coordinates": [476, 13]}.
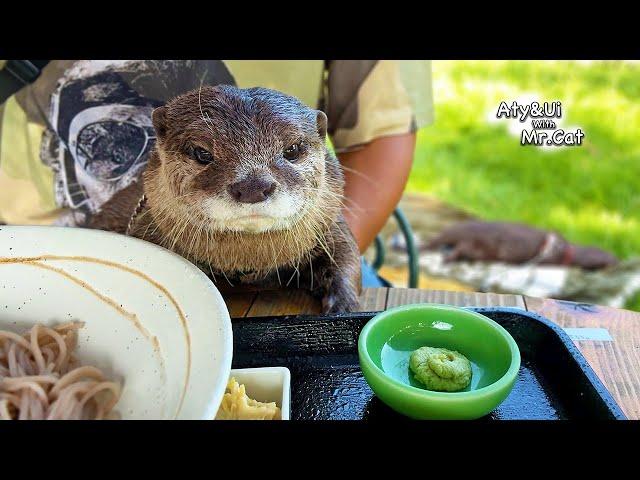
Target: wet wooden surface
{"type": "Point", "coordinates": [616, 362]}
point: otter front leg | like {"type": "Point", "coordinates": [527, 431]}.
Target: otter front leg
{"type": "Point", "coordinates": [337, 272]}
{"type": "Point", "coordinates": [340, 297]}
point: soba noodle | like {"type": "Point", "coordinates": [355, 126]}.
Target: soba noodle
{"type": "Point", "coordinates": [41, 379]}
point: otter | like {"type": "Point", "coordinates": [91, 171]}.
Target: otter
{"type": "Point", "coordinates": [516, 243]}
{"type": "Point", "coordinates": [241, 183]}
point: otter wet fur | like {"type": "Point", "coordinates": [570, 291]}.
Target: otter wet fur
{"type": "Point", "coordinates": [241, 183]}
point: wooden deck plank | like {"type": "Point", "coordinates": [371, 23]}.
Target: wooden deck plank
{"type": "Point", "coordinates": [373, 299]}
{"type": "Point", "coordinates": [283, 302]}
{"type": "Point", "coordinates": [616, 363]}
{"type": "Point", "coordinates": [239, 303]}
{"type": "Point", "coordinates": [404, 296]}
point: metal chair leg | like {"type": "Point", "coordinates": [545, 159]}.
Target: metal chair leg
{"type": "Point", "coordinates": [412, 252]}
{"type": "Point", "coordinates": [378, 261]}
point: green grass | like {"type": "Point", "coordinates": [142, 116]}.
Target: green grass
{"type": "Point", "coordinates": [589, 193]}
{"type": "Point", "coordinates": [634, 303]}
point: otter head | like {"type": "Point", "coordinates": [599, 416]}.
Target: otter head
{"type": "Point", "coordinates": [591, 258]}
{"type": "Point", "coordinates": [244, 160]}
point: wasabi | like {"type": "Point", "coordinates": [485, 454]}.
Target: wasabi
{"type": "Point", "coordinates": [440, 369]}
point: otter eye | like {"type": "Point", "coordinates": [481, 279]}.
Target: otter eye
{"type": "Point", "coordinates": [202, 156]}
{"type": "Point", "coordinates": [292, 153]}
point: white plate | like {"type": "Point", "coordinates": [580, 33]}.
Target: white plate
{"type": "Point", "coordinates": [266, 384]}
{"type": "Point", "coordinates": [153, 319]}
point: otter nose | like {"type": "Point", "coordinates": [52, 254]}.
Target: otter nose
{"type": "Point", "coordinates": [252, 189]}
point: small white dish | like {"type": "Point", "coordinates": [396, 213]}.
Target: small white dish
{"type": "Point", "coordinates": [266, 384]}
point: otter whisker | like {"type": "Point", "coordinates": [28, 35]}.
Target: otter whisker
{"type": "Point", "coordinates": [185, 223]}
{"type": "Point", "coordinates": [275, 259]}
{"type": "Point", "coordinates": [292, 275]}
{"type": "Point", "coordinates": [226, 278]}
{"type": "Point", "coordinates": [212, 274]}
{"type": "Point", "coordinates": [310, 269]}
{"type": "Point", "coordinates": [295, 267]}
{"type": "Point", "coordinates": [342, 199]}
{"type": "Point", "coordinates": [201, 113]}
{"type": "Point", "coordinates": [362, 175]}
{"type": "Point", "coordinates": [194, 235]}
{"type": "Point", "coordinates": [159, 214]}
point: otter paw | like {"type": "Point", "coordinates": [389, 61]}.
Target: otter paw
{"type": "Point", "coordinates": [333, 303]}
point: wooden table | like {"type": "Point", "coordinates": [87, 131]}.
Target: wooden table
{"type": "Point", "coordinates": [616, 362]}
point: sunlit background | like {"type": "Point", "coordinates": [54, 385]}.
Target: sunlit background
{"type": "Point", "coordinates": [589, 193]}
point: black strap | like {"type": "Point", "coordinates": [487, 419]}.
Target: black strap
{"type": "Point", "coordinates": [17, 74]}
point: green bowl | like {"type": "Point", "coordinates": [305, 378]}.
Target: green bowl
{"type": "Point", "coordinates": [387, 340]}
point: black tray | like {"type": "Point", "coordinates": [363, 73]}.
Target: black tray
{"type": "Point", "coordinates": [555, 381]}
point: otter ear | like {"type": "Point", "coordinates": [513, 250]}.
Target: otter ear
{"type": "Point", "coordinates": [321, 123]}
{"type": "Point", "coordinates": [159, 119]}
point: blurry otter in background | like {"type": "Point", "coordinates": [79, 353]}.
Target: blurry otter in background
{"type": "Point", "coordinates": [516, 244]}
